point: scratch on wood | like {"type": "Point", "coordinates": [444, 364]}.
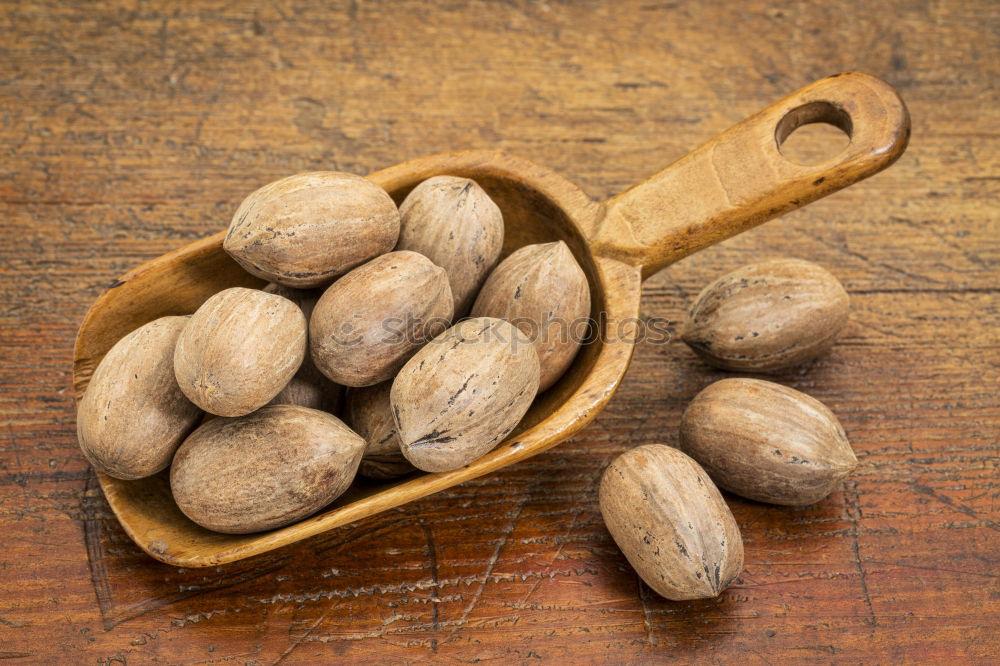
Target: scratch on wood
{"type": "Point", "coordinates": [593, 479]}
{"type": "Point", "coordinates": [854, 514]}
{"type": "Point", "coordinates": [957, 506]}
{"type": "Point", "coordinates": [297, 642]}
{"type": "Point", "coordinates": [95, 552]}
{"type": "Point", "coordinates": [984, 574]}
{"type": "Point", "coordinates": [647, 620]}
{"type": "Point", "coordinates": [491, 563]}
{"type": "Point", "coordinates": [436, 588]}
{"type": "Point", "coordinates": [334, 545]}
{"type": "Point", "coordinates": [236, 579]}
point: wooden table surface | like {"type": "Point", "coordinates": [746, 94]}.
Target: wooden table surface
{"type": "Point", "coordinates": [129, 128]}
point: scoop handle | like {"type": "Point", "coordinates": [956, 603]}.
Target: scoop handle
{"type": "Point", "coordinates": [740, 178]}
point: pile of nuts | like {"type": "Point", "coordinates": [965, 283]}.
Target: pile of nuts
{"type": "Point", "coordinates": [753, 438]}
{"type": "Point", "coordinates": [442, 350]}
{"type": "Point", "coordinates": [406, 307]}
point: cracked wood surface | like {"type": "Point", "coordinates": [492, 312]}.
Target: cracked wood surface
{"type": "Point", "coordinates": [130, 128]}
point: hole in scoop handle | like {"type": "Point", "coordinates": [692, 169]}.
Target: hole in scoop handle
{"type": "Point", "coordinates": [740, 178]}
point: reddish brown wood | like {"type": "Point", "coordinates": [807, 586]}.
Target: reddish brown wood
{"type": "Point", "coordinates": [129, 130]}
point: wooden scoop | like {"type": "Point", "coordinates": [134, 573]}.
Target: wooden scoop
{"type": "Point", "coordinates": [735, 181]}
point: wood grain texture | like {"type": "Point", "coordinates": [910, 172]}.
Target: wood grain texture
{"type": "Point", "coordinates": [129, 129]}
